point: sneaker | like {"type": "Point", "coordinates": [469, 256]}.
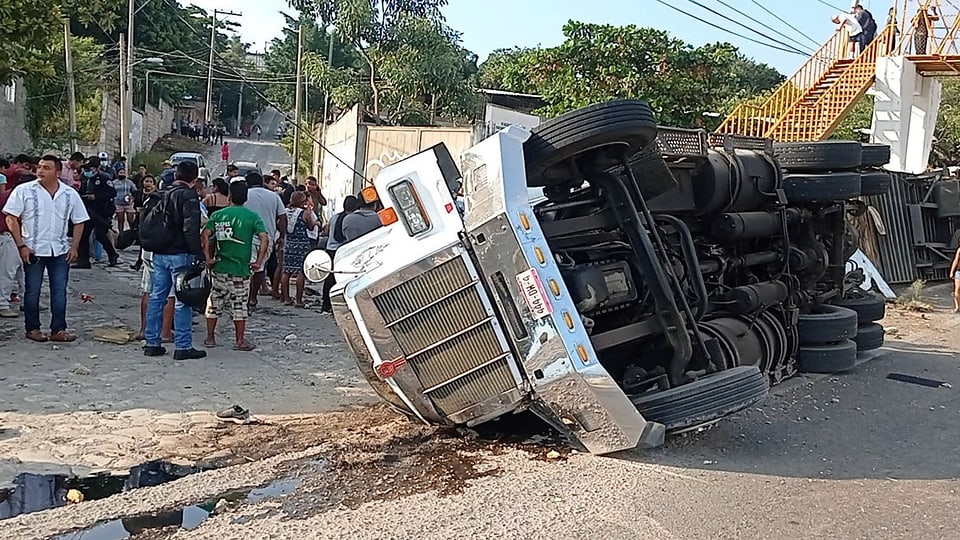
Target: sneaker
{"type": "Point", "coordinates": [189, 354]}
{"type": "Point", "coordinates": [154, 351]}
{"type": "Point", "coordinates": [235, 414]}
{"type": "Point", "coordinates": [14, 298]}
{"type": "Point", "coordinates": [8, 313]}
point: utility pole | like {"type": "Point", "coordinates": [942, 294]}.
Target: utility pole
{"type": "Point", "coordinates": [71, 90]}
{"type": "Point", "coordinates": [128, 97]}
{"type": "Point", "coordinates": [298, 105]}
{"type": "Point", "coordinates": [240, 108]}
{"type": "Point", "coordinates": [208, 113]}
{"type": "Point", "coordinates": [124, 126]}
{"type": "Point", "coordinates": [326, 102]}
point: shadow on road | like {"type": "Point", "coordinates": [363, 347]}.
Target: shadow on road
{"type": "Point", "coordinates": [856, 425]}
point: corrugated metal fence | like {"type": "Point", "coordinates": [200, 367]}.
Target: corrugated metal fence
{"type": "Point", "coordinates": [918, 243]}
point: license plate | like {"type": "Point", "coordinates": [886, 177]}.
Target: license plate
{"type": "Point", "coordinates": [533, 293]}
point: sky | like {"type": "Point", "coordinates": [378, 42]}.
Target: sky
{"type": "Point", "coordinates": [487, 25]}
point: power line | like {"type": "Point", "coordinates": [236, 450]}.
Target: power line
{"type": "Point", "coordinates": [708, 23]}
{"type": "Point", "coordinates": [245, 80]}
{"type": "Point", "coordinates": [261, 95]}
{"type": "Point", "coordinates": [790, 26]}
{"type": "Point", "coordinates": [740, 24]}
{"type": "Point", "coordinates": [768, 27]}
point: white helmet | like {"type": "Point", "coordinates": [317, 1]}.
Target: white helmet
{"type": "Point", "coordinates": [103, 156]}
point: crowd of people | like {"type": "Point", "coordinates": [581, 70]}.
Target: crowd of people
{"type": "Point", "coordinates": [251, 234]}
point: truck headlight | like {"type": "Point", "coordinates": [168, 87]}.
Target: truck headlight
{"type": "Point", "coordinates": [411, 210]}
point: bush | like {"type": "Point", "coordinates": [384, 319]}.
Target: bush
{"type": "Point", "coordinates": [153, 161]}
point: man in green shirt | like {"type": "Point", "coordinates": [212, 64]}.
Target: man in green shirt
{"type": "Point", "coordinates": [227, 243]}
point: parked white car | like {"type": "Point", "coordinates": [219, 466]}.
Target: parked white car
{"type": "Point", "coordinates": [194, 157]}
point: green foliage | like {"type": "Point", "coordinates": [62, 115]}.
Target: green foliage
{"type": "Point", "coordinates": [946, 143]}
{"type": "Point", "coordinates": [599, 62]}
{"type": "Point", "coordinates": [47, 96]}
{"type": "Point", "coordinates": [861, 117]}
{"type": "Point", "coordinates": [31, 28]}
{"type": "Point", "coordinates": [306, 151]}
{"type": "Point", "coordinates": [412, 66]}
{"type": "Point", "coordinates": [153, 161]}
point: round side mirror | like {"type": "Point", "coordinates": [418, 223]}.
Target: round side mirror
{"type": "Point", "coordinates": [317, 266]}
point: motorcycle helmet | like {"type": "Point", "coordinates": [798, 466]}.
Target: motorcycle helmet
{"type": "Point", "coordinates": [193, 287]}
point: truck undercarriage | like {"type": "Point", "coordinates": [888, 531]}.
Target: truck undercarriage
{"type": "Point", "coordinates": [664, 279]}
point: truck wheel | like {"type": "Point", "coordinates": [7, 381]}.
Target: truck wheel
{"type": "Point", "coordinates": [874, 183]}
{"type": "Point", "coordinates": [606, 129]}
{"type": "Point", "coordinates": [874, 155]}
{"type": "Point", "coordinates": [869, 307]}
{"type": "Point", "coordinates": [826, 324]}
{"type": "Point", "coordinates": [869, 337]}
{"type": "Point", "coordinates": [841, 186]}
{"type": "Point", "coordinates": [832, 358]}
{"type": "Point", "coordinates": [705, 399]}
{"type": "Point", "coordinates": [818, 156]}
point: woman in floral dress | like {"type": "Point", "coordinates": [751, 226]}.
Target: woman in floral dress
{"type": "Point", "coordinates": [300, 219]}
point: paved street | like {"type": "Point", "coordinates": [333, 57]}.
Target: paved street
{"type": "Point", "coordinates": [266, 152]}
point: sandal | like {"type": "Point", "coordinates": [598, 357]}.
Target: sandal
{"type": "Point", "coordinates": [63, 337]}
{"type": "Point", "coordinates": [209, 343]}
{"type": "Point", "coordinates": [37, 335]}
{"type": "Point", "coordinates": [244, 346]}
{"type": "Point", "coordinates": [139, 337]}
{"type": "Point", "coordinates": [288, 302]}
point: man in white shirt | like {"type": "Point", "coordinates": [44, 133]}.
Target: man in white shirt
{"type": "Point", "coordinates": [39, 214]}
{"type": "Point", "coordinates": [269, 207]}
{"type": "Point", "coordinates": [853, 30]}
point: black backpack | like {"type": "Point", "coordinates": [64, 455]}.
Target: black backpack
{"type": "Point", "coordinates": [157, 231]}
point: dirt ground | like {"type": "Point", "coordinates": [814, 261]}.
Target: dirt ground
{"type": "Point", "coordinates": [851, 456]}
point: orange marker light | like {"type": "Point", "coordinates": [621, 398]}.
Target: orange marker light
{"type": "Point", "coordinates": [568, 319]}
{"type": "Point", "coordinates": [370, 194]}
{"type": "Point", "coordinates": [582, 351]}
{"type": "Point", "coordinates": [541, 258]}
{"type": "Point", "coordinates": [525, 222]}
{"type": "Point", "coordinates": [388, 216]}
{"type": "Point", "coordinates": [555, 288]}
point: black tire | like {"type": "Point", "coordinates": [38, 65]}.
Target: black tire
{"type": "Point", "coordinates": [704, 400]}
{"type": "Point", "coordinates": [869, 307]}
{"type": "Point", "coordinates": [832, 358]}
{"type": "Point", "coordinates": [826, 324]}
{"type": "Point", "coordinates": [869, 337]}
{"type": "Point", "coordinates": [874, 183]}
{"type": "Point", "coordinates": [874, 155]}
{"type": "Point", "coordinates": [818, 156]}
{"type": "Point", "coordinates": [607, 130]}
{"type": "Point", "coordinates": [805, 188]}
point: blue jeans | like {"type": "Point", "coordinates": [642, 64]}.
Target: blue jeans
{"type": "Point", "coordinates": [165, 270]}
{"type": "Point", "coordinates": [58, 270]}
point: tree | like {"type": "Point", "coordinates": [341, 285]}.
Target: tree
{"type": "Point", "coordinates": [600, 62]}
{"type": "Point", "coordinates": [281, 61]}
{"type": "Point", "coordinates": [860, 117]}
{"type": "Point", "coordinates": [47, 105]}
{"type": "Point", "coordinates": [946, 136]}
{"type": "Point", "coordinates": [31, 28]}
{"type": "Point", "coordinates": [413, 68]}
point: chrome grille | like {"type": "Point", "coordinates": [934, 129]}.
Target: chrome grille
{"type": "Point", "coordinates": [447, 336]}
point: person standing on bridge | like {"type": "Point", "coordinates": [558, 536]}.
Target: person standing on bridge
{"type": "Point", "coordinates": [867, 23]}
{"type": "Point", "coordinates": [854, 30]}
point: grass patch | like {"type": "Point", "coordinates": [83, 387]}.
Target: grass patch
{"type": "Point", "coordinates": [153, 161]}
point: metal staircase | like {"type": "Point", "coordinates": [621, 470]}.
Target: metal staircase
{"type": "Point", "coordinates": [809, 105]}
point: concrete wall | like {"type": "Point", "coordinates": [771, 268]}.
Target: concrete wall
{"type": "Point", "coordinates": [337, 179]}
{"type": "Point", "coordinates": [13, 119]}
{"type": "Point", "coordinates": [905, 111]}
{"type": "Point", "coordinates": [148, 126]}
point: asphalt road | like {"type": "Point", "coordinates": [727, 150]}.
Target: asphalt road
{"type": "Point", "coordinates": [267, 152]}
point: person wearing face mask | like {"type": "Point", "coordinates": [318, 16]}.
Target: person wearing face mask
{"type": "Point", "coordinates": [97, 195]}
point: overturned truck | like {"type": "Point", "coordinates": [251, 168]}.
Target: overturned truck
{"type": "Point", "coordinates": [659, 279]}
